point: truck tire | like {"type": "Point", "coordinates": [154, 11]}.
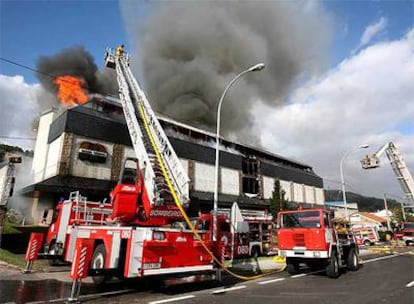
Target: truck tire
{"type": "Point", "coordinates": [352, 260]}
{"type": "Point", "coordinates": [98, 262]}
{"type": "Point", "coordinates": [367, 243]}
{"type": "Point", "coordinates": [52, 250]}
{"type": "Point", "coordinates": [255, 252]}
{"type": "Point", "coordinates": [332, 270]}
{"type": "Point", "coordinates": [292, 266]}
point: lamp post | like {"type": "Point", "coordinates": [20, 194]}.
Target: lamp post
{"type": "Point", "coordinates": [342, 179]}
{"type": "Point", "coordinates": [403, 211]}
{"type": "Point", "coordinates": [257, 67]}
{"type": "Point", "coordinates": [387, 216]}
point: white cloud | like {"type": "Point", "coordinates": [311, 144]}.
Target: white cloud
{"type": "Point", "coordinates": [365, 99]}
{"type": "Point", "coordinates": [18, 109]}
{"type": "Point", "coordinates": [372, 30]}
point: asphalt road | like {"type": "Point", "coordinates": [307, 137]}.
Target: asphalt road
{"type": "Point", "coordinates": [387, 279]}
{"type": "Point", "coordinates": [381, 279]}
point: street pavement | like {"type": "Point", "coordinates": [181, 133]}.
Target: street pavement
{"type": "Point", "coordinates": [54, 284]}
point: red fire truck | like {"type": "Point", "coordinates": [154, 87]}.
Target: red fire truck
{"type": "Point", "coordinates": [406, 233]}
{"type": "Point", "coordinates": [255, 239]}
{"type": "Point", "coordinates": [251, 236]}
{"type": "Point", "coordinates": [365, 235]}
{"type": "Point", "coordinates": [140, 232]}
{"type": "Point", "coordinates": [77, 210]}
{"type": "Point", "coordinates": [309, 236]}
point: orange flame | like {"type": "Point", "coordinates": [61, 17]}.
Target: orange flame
{"type": "Point", "coordinates": [71, 90]}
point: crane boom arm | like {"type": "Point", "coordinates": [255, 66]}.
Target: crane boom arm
{"type": "Point", "coordinates": [398, 165]}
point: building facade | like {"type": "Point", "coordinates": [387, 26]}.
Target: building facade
{"type": "Point", "coordinates": [82, 149]}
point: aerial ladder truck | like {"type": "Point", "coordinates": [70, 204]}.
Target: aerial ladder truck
{"type": "Point", "coordinates": [404, 177]}
{"type": "Point", "coordinates": [399, 167]}
{"type": "Point", "coordinates": [135, 235]}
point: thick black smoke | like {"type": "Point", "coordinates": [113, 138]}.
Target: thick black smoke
{"type": "Point", "coordinates": [76, 61]}
{"type": "Point", "coordinates": [190, 51]}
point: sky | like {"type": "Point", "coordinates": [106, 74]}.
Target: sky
{"type": "Point", "coordinates": [350, 71]}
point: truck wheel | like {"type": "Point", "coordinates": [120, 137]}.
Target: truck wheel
{"type": "Point", "coordinates": [255, 252]}
{"type": "Point", "coordinates": [352, 260]}
{"type": "Point", "coordinates": [367, 243]}
{"type": "Point", "coordinates": [98, 262]}
{"type": "Point", "coordinates": [332, 270]}
{"type": "Point", "coordinates": [407, 243]}
{"type": "Point", "coordinates": [292, 266]}
{"type": "Point", "coordinates": [52, 250]}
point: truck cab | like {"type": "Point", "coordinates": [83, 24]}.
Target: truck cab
{"type": "Point", "coordinates": [310, 236]}
{"type": "Point", "coordinates": [407, 231]}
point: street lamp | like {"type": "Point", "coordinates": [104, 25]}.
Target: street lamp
{"type": "Point", "coordinates": [257, 67]}
{"type": "Point", "coordinates": [342, 178]}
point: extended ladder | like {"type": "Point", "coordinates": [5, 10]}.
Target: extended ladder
{"type": "Point", "coordinates": [162, 170]}
{"type": "Point", "coordinates": [398, 166]}
{"type": "Point", "coordinates": [401, 171]}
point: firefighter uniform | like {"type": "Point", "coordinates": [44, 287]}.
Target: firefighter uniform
{"type": "Point", "coordinates": [119, 51]}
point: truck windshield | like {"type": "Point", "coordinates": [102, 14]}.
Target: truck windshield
{"type": "Point", "coordinates": [408, 225]}
{"type": "Point", "coordinates": [309, 219]}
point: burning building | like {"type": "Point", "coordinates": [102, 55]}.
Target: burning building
{"type": "Point", "coordinates": [82, 148]}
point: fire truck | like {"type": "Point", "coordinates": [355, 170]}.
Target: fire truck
{"type": "Point", "coordinates": [309, 236]}
{"type": "Point", "coordinates": [252, 236]}
{"type": "Point", "coordinates": [77, 210]}
{"type": "Point", "coordinates": [365, 235]}
{"type": "Point", "coordinates": [144, 229]}
{"type": "Point", "coordinates": [244, 233]}
{"type": "Point", "coordinates": [406, 233]}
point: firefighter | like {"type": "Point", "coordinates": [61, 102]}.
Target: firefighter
{"type": "Point", "coordinates": [119, 51]}
{"type": "Point", "coordinates": [340, 227]}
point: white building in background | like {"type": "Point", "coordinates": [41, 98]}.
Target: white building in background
{"type": "Point", "coordinates": [384, 213]}
{"type": "Point", "coordinates": [82, 149]}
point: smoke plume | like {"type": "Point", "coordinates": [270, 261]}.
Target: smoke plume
{"type": "Point", "coordinates": [190, 51]}
{"type": "Point", "coordinates": [75, 61]}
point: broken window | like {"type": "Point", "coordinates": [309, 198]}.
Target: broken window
{"type": "Point", "coordinates": [250, 178]}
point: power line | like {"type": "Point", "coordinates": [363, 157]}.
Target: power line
{"type": "Point", "coordinates": [25, 67]}
{"type": "Point", "coordinates": [42, 73]}
{"type": "Point", "coordinates": [48, 75]}
{"type": "Point", "coordinates": [17, 137]}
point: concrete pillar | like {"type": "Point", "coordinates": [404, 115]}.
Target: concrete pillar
{"type": "Point", "coordinates": [65, 159]}
{"type": "Point", "coordinates": [191, 173]}
{"type": "Point", "coordinates": [117, 158]}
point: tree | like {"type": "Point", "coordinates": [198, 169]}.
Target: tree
{"type": "Point", "coordinates": [278, 201]}
{"type": "Point", "coordinates": [398, 214]}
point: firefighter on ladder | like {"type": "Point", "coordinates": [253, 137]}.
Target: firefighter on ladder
{"type": "Point", "coordinates": [119, 51]}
